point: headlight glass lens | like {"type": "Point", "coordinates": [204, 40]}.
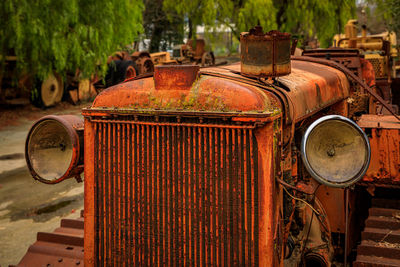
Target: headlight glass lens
{"type": "Point", "coordinates": [50, 150]}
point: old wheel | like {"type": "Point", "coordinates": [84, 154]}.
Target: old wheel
{"type": "Point", "coordinates": [49, 92]}
{"type": "Point", "coordinates": [130, 72]}
{"type": "Point", "coordinates": [145, 65]}
{"type": "Point", "coordinates": [120, 70]}
{"type": "Point", "coordinates": [207, 59]}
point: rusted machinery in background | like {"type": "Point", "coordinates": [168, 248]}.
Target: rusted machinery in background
{"type": "Point", "coordinates": [381, 51]}
{"type": "Point", "coordinates": [273, 161]}
{"type": "Point", "coordinates": [44, 93]}
{"type": "Point", "coordinates": [193, 52]}
{"type": "Point", "coordinates": [123, 65]}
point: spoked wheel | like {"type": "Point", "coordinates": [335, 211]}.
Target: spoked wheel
{"type": "Point", "coordinates": [145, 65]}
{"type": "Point", "coordinates": [130, 72]}
{"type": "Point", "coordinates": [120, 70]}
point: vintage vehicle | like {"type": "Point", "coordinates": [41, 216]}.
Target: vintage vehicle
{"type": "Point", "coordinates": [273, 161]}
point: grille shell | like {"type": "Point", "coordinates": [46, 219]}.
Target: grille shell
{"type": "Point", "coordinates": [193, 201]}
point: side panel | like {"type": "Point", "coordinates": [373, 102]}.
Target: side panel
{"type": "Point", "coordinates": [89, 194]}
{"type": "Point", "coordinates": [269, 232]}
{"type": "Point", "coordinates": [384, 138]}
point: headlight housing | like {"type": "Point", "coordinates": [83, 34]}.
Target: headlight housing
{"type": "Point", "coordinates": [54, 148]}
{"type": "Point", "coordinates": [335, 151]}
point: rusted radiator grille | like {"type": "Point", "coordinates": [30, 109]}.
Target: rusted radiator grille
{"type": "Point", "coordinates": [174, 195]}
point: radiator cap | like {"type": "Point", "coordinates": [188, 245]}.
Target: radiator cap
{"type": "Point", "coordinates": [179, 77]}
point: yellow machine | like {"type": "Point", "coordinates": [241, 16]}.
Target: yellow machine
{"type": "Point", "coordinates": [380, 50]}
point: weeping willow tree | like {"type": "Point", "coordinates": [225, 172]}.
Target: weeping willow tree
{"type": "Point", "coordinates": [314, 18]}
{"type": "Point", "coordinates": [47, 35]}
{"type": "Point", "coordinates": [310, 18]}
{"type": "Point", "coordinates": [388, 12]}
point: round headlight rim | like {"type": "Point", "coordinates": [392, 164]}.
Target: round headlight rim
{"type": "Point", "coordinates": [309, 168]}
{"type": "Point", "coordinates": [70, 172]}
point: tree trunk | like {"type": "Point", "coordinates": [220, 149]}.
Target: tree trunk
{"type": "Point", "coordinates": [156, 38]}
{"type": "Point", "coordinates": [190, 34]}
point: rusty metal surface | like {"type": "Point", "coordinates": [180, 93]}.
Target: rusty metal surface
{"type": "Point", "coordinates": [380, 239]}
{"type": "Point", "coordinates": [265, 55]}
{"type": "Point", "coordinates": [333, 200]}
{"type": "Point", "coordinates": [74, 127]}
{"type": "Point", "coordinates": [384, 137]}
{"type": "Point", "coordinates": [312, 86]}
{"type": "Point", "coordinates": [175, 77]}
{"type": "Point", "coordinates": [309, 88]}
{"type": "Point", "coordinates": [206, 94]}
{"type": "Point", "coordinates": [350, 58]}
{"type": "Point", "coordinates": [194, 199]}
{"type": "Point", "coordinates": [199, 48]}
{"type": "Point", "coordinates": [63, 247]}
{"type": "Point", "coordinates": [353, 77]}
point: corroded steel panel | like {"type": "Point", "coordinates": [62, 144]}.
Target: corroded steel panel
{"type": "Point", "coordinates": [309, 88]}
{"type": "Point", "coordinates": [207, 94]}
{"type": "Point", "coordinates": [175, 77]}
{"type": "Point", "coordinates": [384, 138]}
{"type": "Point", "coordinates": [313, 86]}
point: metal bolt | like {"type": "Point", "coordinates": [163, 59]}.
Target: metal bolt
{"type": "Point", "coordinates": [60, 260]}
{"type": "Point", "coordinates": [331, 152]}
{"type": "Point", "coordinates": [78, 262]}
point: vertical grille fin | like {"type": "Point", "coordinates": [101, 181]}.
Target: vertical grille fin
{"type": "Point", "coordinates": [175, 195]}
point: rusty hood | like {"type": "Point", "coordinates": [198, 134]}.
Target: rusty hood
{"type": "Point", "coordinates": [309, 88]}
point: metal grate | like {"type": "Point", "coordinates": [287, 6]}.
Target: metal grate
{"type": "Point", "coordinates": [378, 67]}
{"type": "Point", "coordinates": [175, 195]}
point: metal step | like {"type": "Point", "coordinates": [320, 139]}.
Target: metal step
{"type": "Point", "coordinates": [379, 249]}
{"type": "Point", "coordinates": [380, 240]}
{"type": "Point", "coordinates": [372, 261]}
{"type": "Point", "coordinates": [383, 222]}
{"type": "Point", "coordinates": [381, 235]}
{"type": "Point", "coordinates": [386, 203]}
{"type": "Point", "coordinates": [63, 247]}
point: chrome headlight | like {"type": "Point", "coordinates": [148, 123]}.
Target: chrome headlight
{"type": "Point", "coordinates": [335, 151]}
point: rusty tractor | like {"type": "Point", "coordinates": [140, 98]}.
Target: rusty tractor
{"type": "Point", "coordinates": [277, 160]}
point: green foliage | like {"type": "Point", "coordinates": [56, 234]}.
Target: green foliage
{"type": "Point", "coordinates": [161, 28]}
{"type": "Point", "coordinates": [314, 18]}
{"type": "Point", "coordinates": [310, 18]}
{"type": "Point", "coordinates": [389, 12]}
{"type": "Point", "coordinates": [48, 35]}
